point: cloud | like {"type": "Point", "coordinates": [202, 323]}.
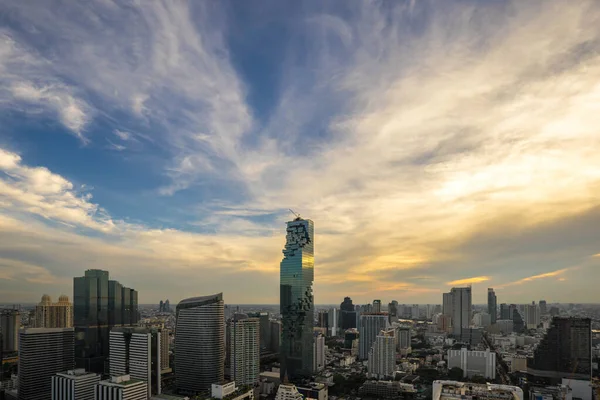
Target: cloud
{"type": "Point", "coordinates": [540, 276]}
{"type": "Point", "coordinates": [468, 281]}
{"type": "Point", "coordinates": [434, 138]}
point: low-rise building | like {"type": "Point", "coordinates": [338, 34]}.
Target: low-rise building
{"type": "Point", "coordinates": [75, 384]}
{"type": "Point", "coordinates": [121, 388]}
{"type": "Point", "coordinates": [316, 391]}
{"type": "Point", "coordinates": [453, 390]}
{"type": "Point", "coordinates": [387, 390]}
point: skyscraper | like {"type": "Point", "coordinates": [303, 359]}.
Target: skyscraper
{"type": "Point", "coordinates": [43, 352]}
{"type": "Point", "coordinates": [543, 307]}
{"type": "Point", "coordinates": [10, 322]}
{"type": "Point", "coordinates": [54, 315]}
{"type": "Point", "coordinates": [333, 316]}
{"type": "Point", "coordinates": [532, 316]}
{"type": "Point", "coordinates": [347, 314]}
{"type": "Point", "coordinates": [199, 343]}
{"type": "Point", "coordinates": [382, 355]}
{"type": "Point", "coordinates": [319, 352]}
{"type": "Point", "coordinates": [505, 311]}
{"type": "Point", "coordinates": [492, 305]}
{"type": "Point", "coordinates": [136, 351]}
{"type": "Point", "coordinates": [447, 305]}
{"type": "Point", "coordinates": [296, 300]}
{"type": "Point", "coordinates": [99, 305]}
{"type": "Point", "coordinates": [564, 352]}
{"type": "Point", "coordinates": [461, 309]}
{"type": "Point", "coordinates": [369, 327]}
{"type": "Point", "coordinates": [244, 340]}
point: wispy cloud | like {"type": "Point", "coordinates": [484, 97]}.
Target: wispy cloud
{"type": "Point", "coordinates": [468, 281]}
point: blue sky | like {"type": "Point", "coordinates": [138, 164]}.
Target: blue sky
{"type": "Point", "coordinates": [433, 143]}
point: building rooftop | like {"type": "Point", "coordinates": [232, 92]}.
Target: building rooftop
{"type": "Point", "coordinates": [199, 301]}
{"type": "Point", "coordinates": [458, 390]}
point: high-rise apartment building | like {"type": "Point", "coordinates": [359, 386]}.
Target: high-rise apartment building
{"type": "Point", "coordinates": [382, 355]}
{"type": "Point", "coordinates": [347, 314]}
{"type": "Point", "coordinates": [461, 309]}
{"type": "Point", "coordinates": [199, 343]}
{"type": "Point", "coordinates": [275, 336]}
{"type": "Point", "coordinates": [564, 352]}
{"type": "Point", "coordinates": [165, 365]}
{"type": "Point", "coordinates": [54, 315]}
{"type": "Point", "coordinates": [296, 300]}
{"type": "Point", "coordinates": [415, 312]}
{"type": "Point", "coordinates": [121, 388]}
{"type": "Point", "coordinates": [447, 305]}
{"type": "Point", "coordinates": [43, 352]}
{"type": "Point", "coordinates": [532, 316]}
{"type": "Point", "coordinates": [393, 311]}
{"type": "Point", "coordinates": [505, 311]}
{"type": "Point", "coordinates": [492, 306]}
{"type": "Point", "coordinates": [369, 327]}
{"type": "Point", "coordinates": [244, 351]}
{"type": "Point", "coordinates": [74, 385]}
{"type": "Point", "coordinates": [319, 353]}
{"type": "Point", "coordinates": [404, 338]}
{"type": "Point", "coordinates": [10, 322]}
{"type": "Point", "coordinates": [99, 304]}
{"type": "Point", "coordinates": [136, 351]}
{"type": "Point", "coordinates": [482, 363]}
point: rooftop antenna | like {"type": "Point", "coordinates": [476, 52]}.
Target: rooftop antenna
{"type": "Point", "coordinates": [295, 214]}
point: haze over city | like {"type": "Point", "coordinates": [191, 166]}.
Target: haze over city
{"type": "Point", "coordinates": [433, 143]}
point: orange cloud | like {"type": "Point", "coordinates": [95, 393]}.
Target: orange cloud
{"type": "Point", "coordinates": [540, 276]}
{"type": "Point", "coordinates": [469, 281]}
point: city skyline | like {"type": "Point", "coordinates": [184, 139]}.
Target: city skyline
{"type": "Point", "coordinates": [455, 145]}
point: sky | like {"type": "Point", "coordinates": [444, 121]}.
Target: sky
{"type": "Point", "coordinates": [433, 143]}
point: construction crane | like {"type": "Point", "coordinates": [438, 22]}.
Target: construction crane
{"type": "Point", "coordinates": [295, 214]}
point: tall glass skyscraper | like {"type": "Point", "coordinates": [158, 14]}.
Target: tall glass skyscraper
{"type": "Point", "coordinates": [492, 305]}
{"type": "Point", "coordinates": [99, 304]}
{"type": "Point", "coordinates": [296, 300]}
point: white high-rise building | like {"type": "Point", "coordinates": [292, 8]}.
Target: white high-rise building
{"type": "Point", "coordinates": [382, 356]}
{"type": "Point", "coordinates": [461, 309]}
{"type": "Point", "coordinates": [75, 384]}
{"type": "Point", "coordinates": [482, 319]}
{"type": "Point", "coordinates": [319, 353]}
{"type": "Point", "coordinates": [333, 316]}
{"type": "Point", "coordinates": [244, 339]}
{"type": "Point", "coordinates": [473, 362]}
{"type": "Point", "coordinates": [136, 351]}
{"type": "Point", "coordinates": [369, 327]}
{"type": "Point", "coordinates": [121, 388]}
{"type": "Point", "coordinates": [415, 312]}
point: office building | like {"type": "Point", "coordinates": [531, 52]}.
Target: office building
{"type": "Point", "coordinates": [470, 336]}
{"type": "Point", "coordinates": [376, 306]}
{"type": "Point", "coordinates": [429, 311]}
{"type": "Point", "coordinates": [199, 343]}
{"type": "Point", "coordinates": [505, 311]}
{"type": "Point", "coordinates": [473, 363]}
{"type": "Point", "coordinates": [518, 322]}
{"type": "Point", "coordinates": [482, 319]}
{"type": "Point", "coordinates": [333, 316]}
{"type": "Point", "coordinates": [564, 352]}
{"type": "Point", "coordinates": [287, 391]}
{"type": "Point", "coordinates": [136, 351]}
{"type": "Point", "coordinates": [444, 324]}
{"type": "Point", "coordinates": [369, 327]}
{"type": "Point", "coordinates": [323, 319]}
{"type": "Point", "coordinates": [314, 390]}
{"type": "Point", "coordinates": [393, 311]}
{"type": "Point", "coordinates": [453, 390]}
{"type": "Point", "coordinates": [74, 385]}
{"type": "Point", "coordinates": [543, 307]}
{"type": "Point", "coordinates": [415, 312]}
{"type": "Point", "coordinates": [492, 306]}
{"type": "Point", "coordinates": [461, 309]}
{"type": "Point", "coordinates": [447, 304]}
{"type": "Point", "coordinates": [347, 314]}
{"type": "Point", "coordinates": [10, 322]}
{"type": "Point", "coordinates": [165, 365]}
{"type": "Point", "coordinates": [532, 316]}
{"type": "Point", "coordinates": [505, 326]}
{"type": "Point", "coordinates": [122, 387]}
{"type": "Point", "coordinates": [54, 315]}
{"type": "Point", "coordinates": [296, 300]}
{"type": "Point", "coordinates": [99, 304]}
{"type": "Point", "coordinates": [265, 328]}
{"type": "Point", "coordinates": [382, 355]}
{"type": "Point", "coordinates": [43, 352]}
{"type": "Point", "coordinates": [244, 351]}
{"type": "Point", "coordinates": [319, 353]}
